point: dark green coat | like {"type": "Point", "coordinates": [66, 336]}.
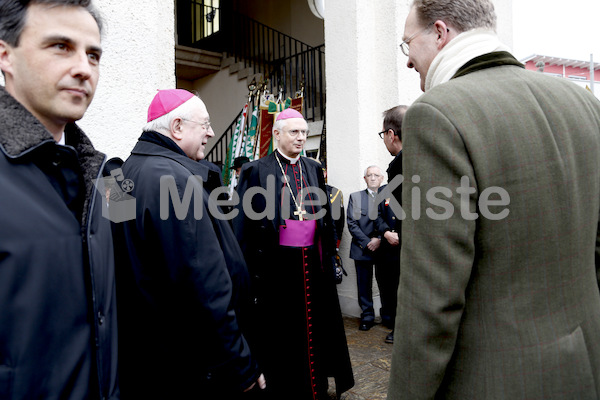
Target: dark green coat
{"type": "Point", "coordinates": [510, 308]}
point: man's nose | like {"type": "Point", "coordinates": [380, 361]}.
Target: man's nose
{"type": "Point", "coordinates": [82, 67]}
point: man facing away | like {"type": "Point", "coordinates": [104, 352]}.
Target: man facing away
{"type": "Point", "coordinates": [183, 283]}
{"type": "Point", "coordinates": [365, 245]}
{"type": "Point", "coordinates": [388, 223]}
{"type": "Point", "coordinates": [498, 293]}
{"type": "Point", "coordinates": [58, 333]}
{"type": "Point", "coordinates": [286, 233]}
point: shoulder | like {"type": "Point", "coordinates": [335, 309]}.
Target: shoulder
{"type": "Point", "coordinates": [310, 162]}
{"type": "Point", "coordinates": [356, 194]}
{"type": "Point", "coordinates": [148, 167]}
{"type": "Point", "coordinates": [312, 165]}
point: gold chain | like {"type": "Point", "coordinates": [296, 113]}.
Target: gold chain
{"type": "Point", "coordinates": [299, 211]}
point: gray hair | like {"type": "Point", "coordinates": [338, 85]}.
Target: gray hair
{"type": "Point", "coordinates": [13, 14]}
{"type": "Point", "coordinates": [184, 111]}
{"type": "Point", "coordinates": [464, 15]}
{"type": "Point", "coordinates": [278, 125]}
{"type": "Point", "coordinates": [372, 166]}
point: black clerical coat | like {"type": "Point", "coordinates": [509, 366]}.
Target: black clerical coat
{"type": "Point", "coordinates": [300, 340]}
{"type": "Point", "coordinates": [182, 285]}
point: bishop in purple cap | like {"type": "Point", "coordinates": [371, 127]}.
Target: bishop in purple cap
{"type": "Point", "coordinates": [182, 281]}
{"type": "Point", "coordinates": [288, 240]}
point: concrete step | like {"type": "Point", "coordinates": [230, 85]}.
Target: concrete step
{"type": "Point", "coordinates": [235, 67]}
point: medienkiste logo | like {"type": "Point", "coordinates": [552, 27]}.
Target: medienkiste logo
{"type": "Point", "coordinates": [491, 203]}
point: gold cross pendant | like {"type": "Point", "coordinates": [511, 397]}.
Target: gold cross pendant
{"type": "Point", "coordinates": [300, 213]}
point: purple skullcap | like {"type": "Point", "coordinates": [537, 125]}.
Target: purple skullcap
{"type": "Point", "coordinates": [288, 113]}
{"type": "Point", "coordinates": [166, 101]}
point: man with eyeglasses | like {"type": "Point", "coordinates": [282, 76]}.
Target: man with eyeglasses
{"type": "Point", "coordinates": [182, 283]}
{"type": "Point", "coordinates": [287, 235]}
{"type": "Point", "coordinates": [388, 223]}
{"type": "Point", "coordinates": [495, 305]}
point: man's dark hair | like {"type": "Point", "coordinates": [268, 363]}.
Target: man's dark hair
{"type": "Point", "coordinates": [13, 12]}
{"type": "Point", "coordinates": [392, 119]}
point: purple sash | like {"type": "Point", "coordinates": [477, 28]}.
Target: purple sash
{"type": "Point", "coordinates": [297, 233]}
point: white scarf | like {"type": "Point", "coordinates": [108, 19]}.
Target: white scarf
{"type": "Point", "coordinates": [462, 49]}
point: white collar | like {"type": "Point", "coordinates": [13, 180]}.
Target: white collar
{"type": "Point", "coordinates": [291, 160]}
{"type": "Point", "coordinates": [371, 192]}
{"type": "Point", "coordinates": [462, 49]}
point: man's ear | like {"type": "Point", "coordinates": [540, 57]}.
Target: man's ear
{"type": "Point", "coordinates": [5, 57]}
{"type": "Point", "coordinates": [276, 134]}
{"type": "Point", "coordinates": [442, 32]}
{"type": "Point", "coordinates": [177, 128]}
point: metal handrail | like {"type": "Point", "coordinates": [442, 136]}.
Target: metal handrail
{"type": "Point", "coordinates": [218, 153]}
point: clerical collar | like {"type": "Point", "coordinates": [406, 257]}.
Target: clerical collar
{"type": "Point", "coordinates": [291, 160]}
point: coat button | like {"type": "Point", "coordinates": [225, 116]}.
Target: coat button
{"type": "Point", "coordinates": [100, 318]}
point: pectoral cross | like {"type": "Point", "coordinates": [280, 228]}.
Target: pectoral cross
{"type": "Point", "coordinates": [300, 212]}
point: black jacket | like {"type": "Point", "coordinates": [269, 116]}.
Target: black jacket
{"type": "Point", "coordinates": [388, 220]}
{"type": "Point", "coordinates": [57, 289]}
{"type": "Point", "coordinates": [182, 284]}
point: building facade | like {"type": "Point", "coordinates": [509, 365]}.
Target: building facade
{"type": "Point", "coordinates": [349, 63]}
{"type": "Point", "coordinates": [582, 73]}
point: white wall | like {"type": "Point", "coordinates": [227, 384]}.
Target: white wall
{"type": "Point", "coordinates": [363, 80]}
{"type": "Point", "coordinates": [138, 59]}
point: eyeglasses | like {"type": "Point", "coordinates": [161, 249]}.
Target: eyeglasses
{"type": "Point", "coordinates": [383, 132]}
{"type": "Point", "coordinates": [404, 44]}
{"type": "Point", "coordinates": [295, 132]}
{"type": "Point", "coordinates": [205, 125]}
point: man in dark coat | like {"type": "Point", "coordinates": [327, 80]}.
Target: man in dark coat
{"type": "Point", "coordinates": [58, 333]}
{"type": "Point", "coordinates": [365, 245]}
{"type": "Point", "coordinates": [388, 223]}
{"type": "Point", "coordinates": [182, 280]}
{"type": "Point", "coordinates": [300, 337]}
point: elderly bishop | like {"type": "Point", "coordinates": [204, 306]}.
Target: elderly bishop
{"type": "Point", "coordinates": [288, 239]}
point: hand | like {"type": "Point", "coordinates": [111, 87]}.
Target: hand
{"type": "Point", "coordinates": [373, 244]}
{"type": "Point", "coordinates": [392, 238]}
{"type": "Point", "coordinates": [262, 383]}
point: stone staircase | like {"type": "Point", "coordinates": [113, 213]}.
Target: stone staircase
{"type": "Point", "coordinates": [192, 64]}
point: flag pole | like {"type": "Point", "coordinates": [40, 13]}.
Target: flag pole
{"type": "Point", "coordinates": [592, 72]}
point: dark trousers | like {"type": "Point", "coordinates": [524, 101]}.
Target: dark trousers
{"type": "Point", "coordinates": [387, 273]}
{"type": "Point", "coordinates": [388, 280]}
{"type": "Point", "coordinates": [364, 282]}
